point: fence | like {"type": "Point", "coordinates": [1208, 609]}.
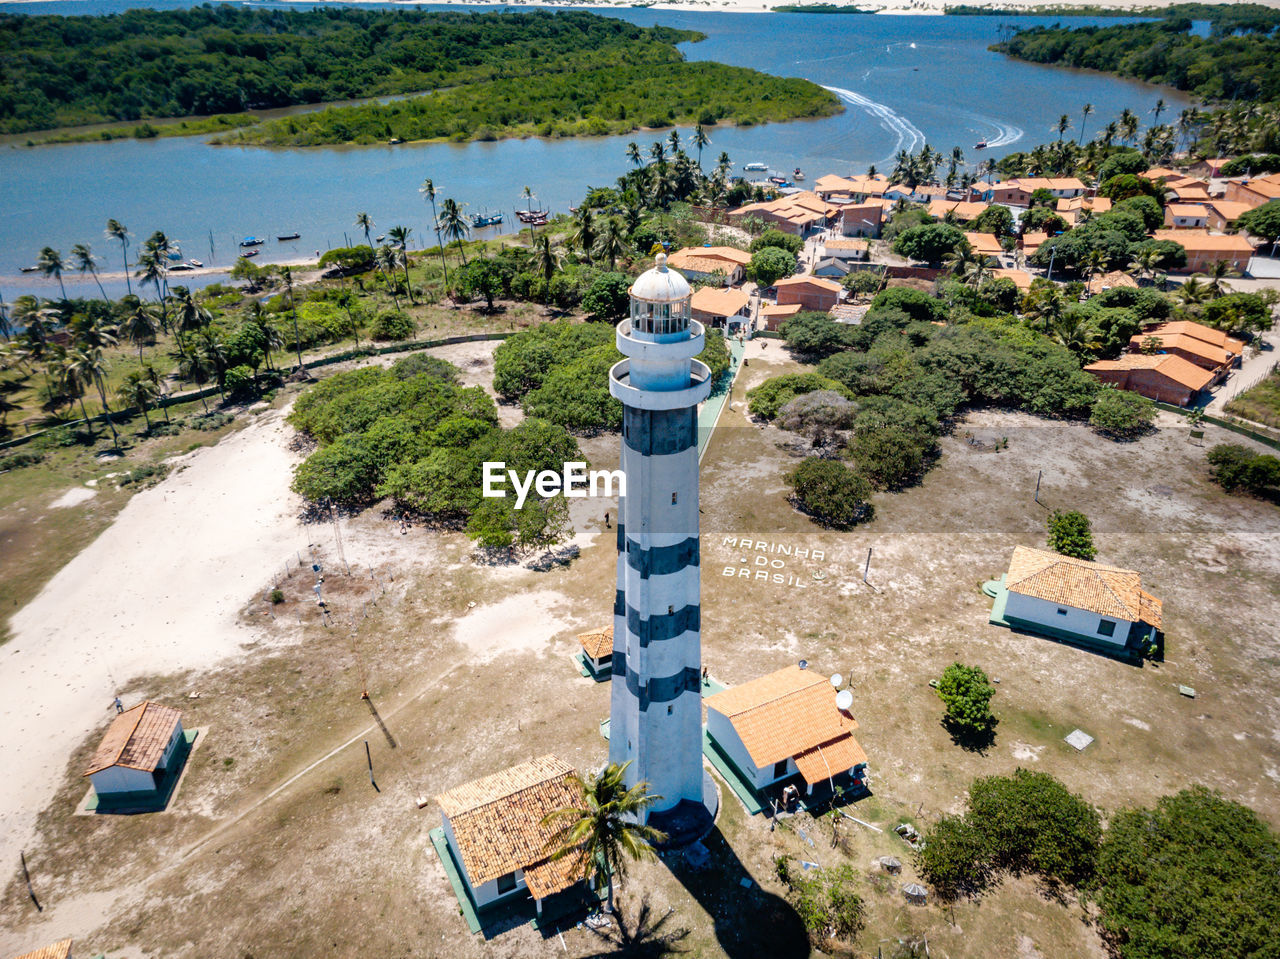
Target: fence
{"type": "Point", "coordinates": [1234, 426]}
{"type": "Point", "coordinates": [406, 346]}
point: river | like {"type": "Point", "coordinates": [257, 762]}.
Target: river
{"type": "Point", "coordinates": [905, 80]}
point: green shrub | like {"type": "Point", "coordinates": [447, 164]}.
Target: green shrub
{"type": "Point", "coordinates": [276, 597]}
{"type": "Point", "coordinates": [815, 334]}
{"type": "Point", "coordinates": [831, 493]}
{"type": "Point", "coordinates": [825, 900]}
{"type": "Point", "coordinates": [930, 242]}
{"type": "Point", "coordinates": [393, 325]}
{"type": "Point", "coordinates": [238, 381]}
{"type": "Point", "coordinates": [774, 237]}
{"type": "Point", "coordinates": [18, 460]}
{"type": "Point", "coordinates": [966, 693]}
{"type": "Point", "coordinates": [349, 259]}
{"type": "Point", "coordinates": [1235, 468]}
{"type": "Point", "coordinates": [774, 393]}
{"type": "Point", "coordinates": [418, 364]}
{"type": "Point", "coordinates": [1071, 534]}
{"type": "Point", "coordinates": [1121, 414]}
{"type": "Point", "coordinates": [891, 457]}
{"type": "Point", "coordinates": [770, 264]}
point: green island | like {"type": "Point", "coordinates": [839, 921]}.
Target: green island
{"type": "Point", "coordinates": [211, 70]}
{"type": "Point", "coordinates": [1238, 60]}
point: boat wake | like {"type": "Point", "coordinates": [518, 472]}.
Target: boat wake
{"type": "Point", "coordinates": [910, 138]}
{"type": "Point", "coordinates": [1008, 134]}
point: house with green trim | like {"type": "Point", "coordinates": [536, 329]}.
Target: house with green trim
{"type": "Point", "coordinates": [139, 758]}
{"type": "Point", "coordinates": [596, 657]}
{"type": "Point", "coordinates": [1077, 601]}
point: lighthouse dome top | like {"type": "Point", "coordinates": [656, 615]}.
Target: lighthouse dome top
{"type": "Point", "coordinates": [661, 284]}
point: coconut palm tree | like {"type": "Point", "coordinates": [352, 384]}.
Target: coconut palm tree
{"type": "Point", "coordinates": [1219, 271]}
{"type": "Point", "coordinates": [83, 258]}
{"type": "Point", "coordinates": [287, 275]}
{"type": "Point", "coordinates": [88, 367]}
{"type": "Point", "coordinates": [116, 231]}
{"type": "Point", "coordinates": [1128, 124]}
{"type": "Point", "coordinates": [1063, 125]}
{"type": "Point", "coordinates": [1076, 334]}
{"type": "Point", "coordinates": [658, 152]}
{"type": "Point", "coordinates": [700, 140]}
{"type": "Point", "coordinates": [399, 235]}
{"type": "Point", "coordinates": [546, 258]}
{"type": "Point", "coordinates": [428, 189]}
{"type": "Point", "coordinates": [152, 269]}
{"type": "Point", "coordinates": [50, 263]}
{"type": "Point", "coordinates": [633, 153]}
{"type": "Point", "coordinates": [1158, 109]}
{"type": "Point", "coordinates": [603, 830]}
{"type": "Point", "coordinates": [455, 225]}
{"type": "Point", "coordinates": [612, 242]}
{"type": "Point", "coordinates": [584, 231]}
{"type": "Point", "coordinates": [365, 222]}
{"type": "Point", "coordinates": [214, 354]}
{"type": "Point", "coordinates": [139, 325]}
{"type": "Point", "coordinates": [91, 333]}
{"type": "Point", "coordinates": [1086, 111]}
{"type": "Point", "coordinates": [1144, 264]}
{"type": "Point", "coordinates": [71, 382]}
{"type": "Point", "coordinates": [137, 390]}
{"type": "Point", "coordinates": [194, 367]}
{"type": "Point", "coordinates": [674, 140]}
{"type": "Point", "coordinates": [189, 316]}
{"type": "Point", "coordinates": [1193, 292]}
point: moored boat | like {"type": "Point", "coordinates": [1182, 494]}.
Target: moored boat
{"type": "Point", "coordinates": [252, 241]}
{"type": "Point", "coordinates": [30, 269]}
{"type": "Point", "coordinates": [246, 254]}
{"type": "Point", "coordinates": [196, 263]}
{"type": "Point", "coordinates": [479, 220]}
{"type": "Point", "coordinates": [756, 166]}
{"type": "Point", "coordinates": [288, 236]}
{"type": "Point", "coordinates": [797, 175]}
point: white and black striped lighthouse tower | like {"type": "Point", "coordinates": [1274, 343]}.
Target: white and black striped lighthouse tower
{"type": "Point", "coordinates": [656, 710]}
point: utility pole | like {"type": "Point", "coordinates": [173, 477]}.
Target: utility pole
{"type": "Point", "coordinates": [1038, 478]}
{"type": "Point", "coordinates": [867, 569]}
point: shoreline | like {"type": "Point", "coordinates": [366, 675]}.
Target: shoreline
{"type": "Point", "coordinates": [1028, 8]}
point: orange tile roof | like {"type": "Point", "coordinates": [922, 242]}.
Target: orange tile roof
{"type": "Point", "coordinates": [1202, 241]}
{"type": "Point", "coordinates": [1187, 209]}
{"type": "Point", "coordinates": [136, 739]}
{"type": "Point", "coordinates": [856, 245]}
{"type": "Point", "coordinates": [1067, 581]}
{"type": "Point", "coordinates": [598, 642]}
{"type": "Point", "coordinates": [1032, 183]}
{"type": "Point", "coordinates": [730, 253]}
{"type": "Point", "coordinates": [830, 759]}
{"type": "Point", "coordinates": [1263, 186]}
{"type": "Point", "coordinates": [719, 301]}
{"type": "Point", "coordinates": [1229, 209]}
{"type": "Point", "coordinates": [984, 243]}
{"type": "Point", "coordinates": [1031, 241]}
{"type": "Point", "coordinates": [835, 184]}
{"type": "Point", "coordinates": [783, 714]}
{"type": "Point", "coordinates": [783, 309]}
{"type": "Point", "coordinates": [1201, 332]}
{"type": "Point", "coordinates": [964, 210]}
{"type": "Point", "coordinates": [1156, 173]}
{"type": "Point", "coordinates": [1106, 281]}
{"type": "Point", "coordinates": [1187, 344]}
{"type": "Point", "coordinates": [806, 280]}
{"type": "Point", "coordinates": [1183, 372]}
{"type": "Point", "coordinates": [497, 822]}
{"type": "Point", "coordinates": [59, 950]}
{"type": "Point", "coordinates": [1021, 278]}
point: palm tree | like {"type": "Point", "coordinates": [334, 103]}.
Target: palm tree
{"type": "Point", "coordinates": [546, 259]}
{"type": "Point", "coordinates": [1086, 111]}
{"type": "Point", "coordinates": [84, 261]}
{"type": "Point", "coordinates": [428, 189]}
{"type": "Point", "coordinates": [51, 263]}
{"type": "Point", "coordinates": [700, 140]}
{"type": "Point", "coordinates": [116, 231]}
{"type": "Point", "coordinates": [1110, 132]}
{"type": "Point", "coordinates": [190, 317]}
{"type": "Point", "coordinates": [89, 367]}
{"type": "Point", "coordinates": [1076, 334]}
{"type": "Point", "coordinates": [603, 830]}
{"type": "Point", "coordinates": [1219, 271]}
{"type": "Point", "coordinates": [658, 152]}
{"type": "Point", "coordinates": [455, 225]}
{"type": "Point", "coordinates": [91, 333]}
{"type": "Point", "coordinates": [194, 367]}
{"type": "Point", "coordinates": [674, 140]}
{"type": "Point", "coordinates": [1128, 124]}
{"type": "Point", "coordinates": [137, 390]}
{"type": "Point", "coordinates": [633, 154]}
{"type": "Point", "coordinates": [72, 382]}
{"type": "Point", "coordinates": [399, 235]}
{"type": "Point", "coordinates": [1063, 125]}
{"type": "Point", "coordinates": [1193, 292]}
{"type": "Point", "coordinates": [584, 232]}
{"type": "Point", "coordinates": [365, 222]}
{"type": "Point", "coordinates": [151, 269]}
{"type": "Point", "coordinates": [1095, 262]}
{"type": "Point", "coordinates": [1144, 264]}
{"type": "Point", "coordinates": [1158, 109]}
{"type": "Point", "coordinates": [214, 354]}
{"type": "Point", "coordinates": [612, 242]}
{"type": "Point", "coordinates": [293, 312]}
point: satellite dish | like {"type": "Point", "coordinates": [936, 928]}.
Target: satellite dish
{"type": "Point", "coordinates": [836, 680]}
{"type": "Point", "coordinates": [804, 664]}
{"type": "Point", "coordinates": [844, 699]}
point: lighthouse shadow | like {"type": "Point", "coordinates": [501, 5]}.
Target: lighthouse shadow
{"type": "Point", "coordinates": [749, 921]}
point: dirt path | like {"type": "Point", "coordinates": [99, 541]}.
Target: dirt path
{"type": "Point", "coordinates": [158, 591]}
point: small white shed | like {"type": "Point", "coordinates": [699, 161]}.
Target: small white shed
{"type": "Point", "coordinates": [137, 753]}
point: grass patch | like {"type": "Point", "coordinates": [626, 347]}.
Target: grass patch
{"type": "Point", "coordinates": [1261, 403]}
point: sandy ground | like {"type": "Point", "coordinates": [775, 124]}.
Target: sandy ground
{"type": "Point", "coordinates": [159, 590]}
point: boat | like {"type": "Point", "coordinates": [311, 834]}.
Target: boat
{"type": "Point", "coordinates": [980, 145]}
{"type": "Point", "coordinates": [252, 241]}
{"type": "Point", "coordinates": [757, 166]}
{"type": "Point", "coordinates": [797, 175]}
{"type": "Point", "coordinates": [196, 263]}
{"type": "Point", "coordinates": [181, 268]}
{"type": "Point", "coordinates": [532, 216]}
{"type": "Point", "coordinates": [246, 254]}
{"type": "Point", "coordinates": [379, 238]}
{"type": "Point", "coordinates": [288, 236]}
{"type": "Point", "coordinates": [30, 269]}
{"type": "Point", "coordinates": [479, 220]}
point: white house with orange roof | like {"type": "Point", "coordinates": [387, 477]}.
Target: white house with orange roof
{"type": "Point", "coordinates": [783, 725]}
{"type": "Point", "coordinates": [495, 831]}
{"type": "Point", "coordinates": [1018, 191]}
{"type": "Point", "coordinates": [721, 308]}
{"type": "Point", "coordinates": [1205, 249]}
{"type": "Point", "coordinates": [1186, 216]}
{"type": "Point", "coordinates": [597, 652]}
{"type": "Point", "coordinates": [141, 751]}
{"type": "Point", "coordinates": [1078, 601]}
{"type": "Point", "coordinates": [703, 263]}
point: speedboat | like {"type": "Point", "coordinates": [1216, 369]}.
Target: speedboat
{"type": "Point", "coordinates": [249, 253]}
{"type": "Point", "coordinates": [757, 167]}
{"type": "Point", "coordinates": [797, 175]}
{"type": "Point", "coordinates": [980, 145]}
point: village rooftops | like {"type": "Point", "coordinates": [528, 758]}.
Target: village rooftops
{"type": "Point", "coordinates": [780, 311]}
{"type": "Point", "coordinates": [1032, 241]}
{"type": "Point", "coordinates": [963, 209]}
{"type": "Point", "coordinates": [1182, 343]}
{"type": "Point", "coordinates": [1202, 241]}
{"type": "Point", "coordinates": [1067, 581]}
{"type": "Point", "coordinates": [598, 643]}
{"type": "Point", "coordinates": [1198, 330]}
{"type": "Point", "coordinates": [59, 950]}
{"type": "Point", "coordinates": [985, 244]}
{"type": "Point", "coordinates": [792, 714]}
{"type": "Point", "coordinates": [1180, 371]}
{"type": "Point", "coordinates": [857, 246]}
{"type": "Point", "coordinates": [1021, 278]}
{"type": "Point", "coordinates": [1070, 204]}
{"type": "Point", "coordinates": [730, 253]}
{"type": "Point", "coordinates": [1267, 186]}
{"type": "Point", "coordinates": [136, 739]}
{"type": "Point", "coordinates": [498, 824]}
{"type": "Point", "coordinates": [1229, 210]}
{"type": "Point", "coordinates": [1187, 209]}
{"type": "Point", "coordinates": [1190, 193]}
{"type": "Point", "coordinates": [806, 279]}
{"type": "Point", "coordinates": [718, 301]}
{"type": "Point", "coordinates": [1053, 183]}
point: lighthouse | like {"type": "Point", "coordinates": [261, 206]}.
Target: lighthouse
{"type": "Point", "coordinates": [656, 709]}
